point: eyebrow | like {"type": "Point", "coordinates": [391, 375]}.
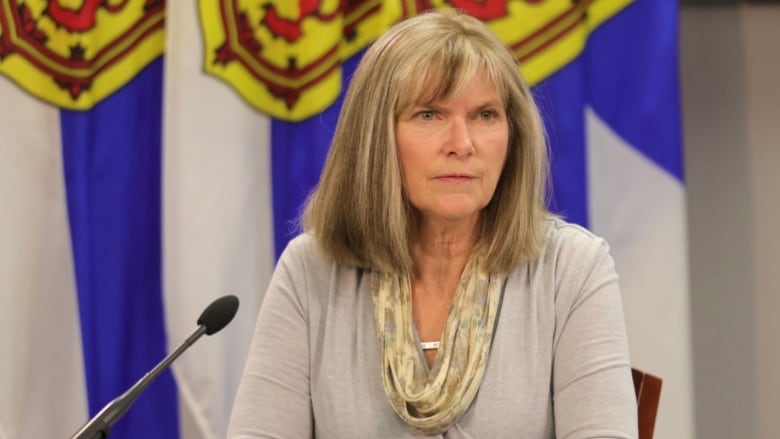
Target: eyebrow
{"type": "Point", "coordinates": [492, 103]}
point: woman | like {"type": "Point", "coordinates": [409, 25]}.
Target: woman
{"type": "Point", "coordinates": [432, 294]}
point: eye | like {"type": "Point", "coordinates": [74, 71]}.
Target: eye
{"type": "Point", "coordinates": [488, 114]}
{"type": "Point", "coordinates": [426, 115]}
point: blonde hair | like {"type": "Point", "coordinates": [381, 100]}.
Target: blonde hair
{"type": "Point", "coordinates": [359, 214]}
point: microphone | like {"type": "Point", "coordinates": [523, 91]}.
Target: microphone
{"type": "Point", "coordinates": [215, 317]}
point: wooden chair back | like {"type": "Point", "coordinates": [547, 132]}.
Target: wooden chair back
{"type": "Point", "coordinates": [648, 394]}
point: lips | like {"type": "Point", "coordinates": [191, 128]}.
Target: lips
{"type": "Point", "coordinates": [455, 177]}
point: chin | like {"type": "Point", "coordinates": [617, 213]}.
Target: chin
{"type": "Point", "coordinates": [457, 214]}
{"type": "Point", "coordinates": [452, 209]}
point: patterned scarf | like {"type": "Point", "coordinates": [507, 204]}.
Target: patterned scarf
{"type": "Point", "coordinates": [433, 402]}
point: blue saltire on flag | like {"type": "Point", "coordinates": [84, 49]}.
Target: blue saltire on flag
{"type": "Point", "coordinates": [112, 161]}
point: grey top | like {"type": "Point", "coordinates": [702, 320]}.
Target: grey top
{"type": "Point", "coordinates": [558, 367]}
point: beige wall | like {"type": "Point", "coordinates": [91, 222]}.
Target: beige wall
{"type": "Point", "coordinates": [761, 46]}
{"type": "Point", "coordinates": [730, 63]}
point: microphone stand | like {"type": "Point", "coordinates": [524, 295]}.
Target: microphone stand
{"type": "Point", "coordinates": [100, 425]}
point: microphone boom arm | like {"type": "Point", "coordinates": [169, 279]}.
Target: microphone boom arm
{"type": "Point", "coordinates": [100, 425]}
{"type": "Point", "coordinates": [215, 317]}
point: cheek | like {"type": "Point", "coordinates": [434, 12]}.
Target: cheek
{"type": "Point", "coordinates": [409, 168]}
{"type": "Point", "coordinates": [404, 146]}
{"type": "Point", "coordinates": [498, 159]}
{"type": "Point", "coordinates": [412, 159]}
{"type": "Point", "coordinates": [497, 165]}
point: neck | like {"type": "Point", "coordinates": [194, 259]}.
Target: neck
{"type": "Point", "coordinates": [441, 251]}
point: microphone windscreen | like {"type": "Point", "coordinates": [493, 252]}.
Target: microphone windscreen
{"type": "Point", "coordinates": [217, 315]}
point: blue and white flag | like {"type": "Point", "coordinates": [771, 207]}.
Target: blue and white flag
{"type": "Point", "coordinates": [613, 117]}
{"type": "Point", "coordinates": [135, 191]}
{"type": "Point", "coordinates": [140, 179]}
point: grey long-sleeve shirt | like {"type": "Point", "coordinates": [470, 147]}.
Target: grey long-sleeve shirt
{"type": "Point", "coordinates": [558, 367]}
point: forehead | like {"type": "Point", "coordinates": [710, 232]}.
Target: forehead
{"type": "Point", "coordinates": [479, 88]}
{"type": "Point", "coordinates": [435, 83]}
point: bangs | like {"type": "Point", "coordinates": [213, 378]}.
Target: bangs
{"type": "Point", "coordinates": [444, 75]}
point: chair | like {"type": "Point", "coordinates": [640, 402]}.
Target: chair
{"type": "Point", "coordinates": [648, 393]}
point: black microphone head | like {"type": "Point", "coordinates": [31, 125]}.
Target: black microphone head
{"type": "Point", "coordinates": [217, 315]}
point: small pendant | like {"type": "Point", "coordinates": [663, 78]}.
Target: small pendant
{"type": "Point", "coordinates": [430, 345]}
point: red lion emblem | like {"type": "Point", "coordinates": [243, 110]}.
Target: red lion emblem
{"type": "Point", "coordinates": [290, 30]}
{"type": "Point", "coordinates": [26, 32]}
{"type": "Point", "coordinates": [286, 60]}
{"type": "Point", "coordinates": [82, 19]}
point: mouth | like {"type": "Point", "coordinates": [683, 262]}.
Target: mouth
{"type": "Point", "coordinates": [455, 177]}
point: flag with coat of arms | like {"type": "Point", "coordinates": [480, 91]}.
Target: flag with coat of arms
{"type": "Point", "coordinates": [154, 156]}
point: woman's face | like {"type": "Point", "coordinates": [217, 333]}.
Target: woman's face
{"type": "Point", "coordinates": [452, 152]}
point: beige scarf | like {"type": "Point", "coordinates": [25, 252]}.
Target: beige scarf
{"type": "Point", "coordinates": [433, 402]}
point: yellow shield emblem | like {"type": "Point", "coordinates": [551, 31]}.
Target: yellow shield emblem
{"type": "Point", "coordinates": [284, 57]}
{"type": "Point", "coordinates": [74, 53]}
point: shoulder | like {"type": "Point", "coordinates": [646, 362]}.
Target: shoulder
{"type": "Point", "coordinates": [304, 261]}
{"type": "Point", "coordinates": [301, 244]}
{"type": "Point", "coordinates": [313, 279]}
{"type": "Point", "coordinates": [301, 263]}
{"type": "Point", "coordinates": [568, 240]}
{"type": "Point", "coordinates": [572, 253]}
{"type": "Point", "coordinates": [304, 250]}
{"type": "Point", "coordinates": [299, 269]}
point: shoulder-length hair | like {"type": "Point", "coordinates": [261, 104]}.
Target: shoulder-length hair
{"type": "Point", "coordinates": [359, 213]}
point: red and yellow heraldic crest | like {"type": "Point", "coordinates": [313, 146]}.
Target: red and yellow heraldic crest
{"type": "Point", "coordinates": [284, 56]}
{"type": "Point", "coordinates": [74, 53]}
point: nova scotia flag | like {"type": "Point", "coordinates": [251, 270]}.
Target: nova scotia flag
{"type": "Point", "coordinates": [614, 122]}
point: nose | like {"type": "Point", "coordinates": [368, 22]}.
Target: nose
{"type": "Point", "coordinates": [459, 141]}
